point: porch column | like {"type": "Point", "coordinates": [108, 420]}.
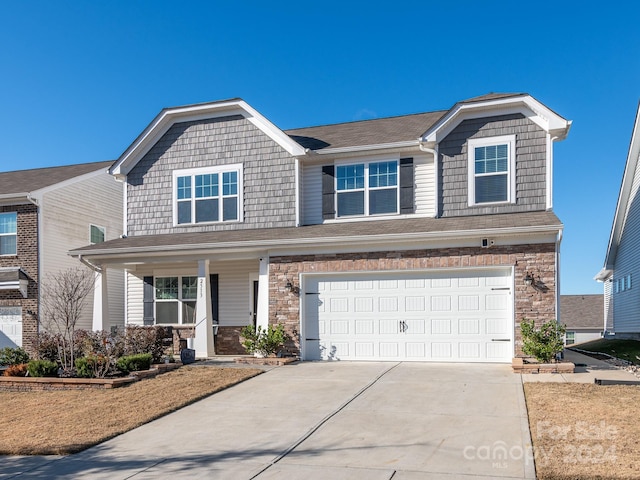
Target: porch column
{"type": "Point", "coordinates": [100, 302]}
{"type": "Point", "coordinates": [262, 318]}
{"type": "Point", "coordinates": [203, 342]}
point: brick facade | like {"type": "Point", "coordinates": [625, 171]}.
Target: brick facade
{"type": "Point", "coordinates": [537, 304]}
{"type": "Point", "coordinates": [27, 259]}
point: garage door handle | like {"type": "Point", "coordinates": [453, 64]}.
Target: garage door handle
{"type": "Point", "coordinates": [312, 339]}
{"type": "Point", "coordinates": [501, 288]}
{"type": "Point", "coordinates": [500, 339]}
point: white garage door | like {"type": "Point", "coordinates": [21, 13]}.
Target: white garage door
{"type": "Point", "coordinates": [461, 316]}
{"type": "Point", "coordinates": [10, 327]}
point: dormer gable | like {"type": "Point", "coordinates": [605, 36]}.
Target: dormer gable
{"type": "Point", "coordinates": [203, 111]}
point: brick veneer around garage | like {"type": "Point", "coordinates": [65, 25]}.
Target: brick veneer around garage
{"type": "Point", "coordinates": [537, 304]}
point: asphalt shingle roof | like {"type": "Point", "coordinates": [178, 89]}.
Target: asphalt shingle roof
{"type": "Point", "coordinates": [22, 181]}
{"type": "Point", "coordinates": [294, 235]}
{"type": "Point", "coordinates": [582, 311]}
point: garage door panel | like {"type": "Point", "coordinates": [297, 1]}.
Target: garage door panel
{"type": "Point", "coordinates": [443, 316]}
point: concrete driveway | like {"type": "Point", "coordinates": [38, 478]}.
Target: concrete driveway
{"type": "Point", "coordinates": [325, 420]}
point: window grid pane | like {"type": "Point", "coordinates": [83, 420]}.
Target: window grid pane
{"type": "Point", "coordinates": [350, 177]}
{"type": "Point", "coordinates": [383, 174]}
{"type": "Point", "coordinates": [207, 185]}
{"type": "Point", "coordinates": [184, 188]}
{"type": "Point", "coordinates": [189, 288]}
{"type": "Point", "coordinates": [166, 288]}
{"type": "Point", "coordinates": [230, 183]}
{"type": "Point", "coordinates": [491, 159]}
{"type": "Point", "coordinates": [8, 223]}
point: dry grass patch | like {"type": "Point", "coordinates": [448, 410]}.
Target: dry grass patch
{"type": "Point", "coordinates": [584, 431]}
{"type": "Point", "coordinates": [62, 422]}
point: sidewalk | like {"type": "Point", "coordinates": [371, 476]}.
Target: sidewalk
{"type": "Point", "coordinates": [587, 370]}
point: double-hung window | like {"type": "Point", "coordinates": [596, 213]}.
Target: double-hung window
{"type": "Point", "coordinates": [492, 170]}
{"type": "Point", "coordinates": [8, 233]}
{"type": "Point", "coordinates": [207, 195]}
{"type": "Point", "coordinates": [367, 188]}
{"type": "Point", "coordinates": [175, 300]}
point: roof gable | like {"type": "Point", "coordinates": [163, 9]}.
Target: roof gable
{"type": "Point", "coordinates": [170, 116]}
{"type": "Point", "coordinates": [23, 182]}
{"type": "Point", "coordinates": [625, 197]}
{"type": "Point", "coordinates": [498, 104]}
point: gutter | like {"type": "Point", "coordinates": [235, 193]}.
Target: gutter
{"type": "Point", "coordinates": [92, 266]}
{"type": "Point", "coordinates": [364, 148]}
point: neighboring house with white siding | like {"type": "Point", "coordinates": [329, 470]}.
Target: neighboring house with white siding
{"type": "Point", "coordinates": [583, 316]}
{"type": "Point", "coordinates": [45, 212]}
{"type": "Point", "coordinates": [418, 237]}
{"type": "Point", "coordinates": [621, 270]}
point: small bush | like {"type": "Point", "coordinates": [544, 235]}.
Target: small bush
{"type": "Point", "coordinates": [134, 363]}
{"type": "Point", "coordinates": [19, 370]}
{"type": "Point", "coordinates": [145, 340]}
{"type": "Point", "coordinates": [543, 343]}
{"type": "Point", "coordinates": [42, 368]}
{"type": "Point", "coordinates": [13, 356]}
{"type": "Point", "coordinates": [265, 342]}
{"type": "Point", "coordinates": [92, 366]}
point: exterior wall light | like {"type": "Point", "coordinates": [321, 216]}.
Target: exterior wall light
{"type": "Point", "coordinates": [528, 279]}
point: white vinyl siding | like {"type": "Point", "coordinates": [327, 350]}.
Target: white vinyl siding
{"type": "Point", "coordinates": [233, 289]}
{"type": "Point", "coordinates": [66, 215]}
{"type": "Point", "coordinates": [425, 186]}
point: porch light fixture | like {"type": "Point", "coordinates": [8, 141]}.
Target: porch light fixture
{"type": "Point", "coordinates": [528, 279]}
{"type": "Point", "coordinates": [289, 285]}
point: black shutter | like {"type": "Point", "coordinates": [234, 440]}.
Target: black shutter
{"type": "Point", "coordinates": [213, 280]}
{"type": "Point", "coordinates": [406, 186]}
{"type": "Point", "coordinates": [328, 197]}
{"type": "Point", "coordinates": [148, 297]}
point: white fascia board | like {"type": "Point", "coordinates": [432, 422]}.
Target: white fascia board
{"type": "Point", "coordinates": [99, 255]}
{"type": "Point", "coordinates": [633, 161]}
{"type": "Point", "coordinates": [541, 115]}
{"type": "Point", "coordinates": [169, 116]}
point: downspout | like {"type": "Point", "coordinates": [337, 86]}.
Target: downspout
{"type": "Point", "coordinates": [434, 152]}
{"type": "Point", "coordinates": [558, 240]}
{"type": "Point", "coordinates": [549, 185]}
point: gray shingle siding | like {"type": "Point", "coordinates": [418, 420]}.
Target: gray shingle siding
{"type": "Point", "coordinates": [268, 175]}
{"type": "Point", "coordinates": [530, 165]}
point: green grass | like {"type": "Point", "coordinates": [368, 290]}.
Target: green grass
{"type": "Point", "coordinates": [624, 349]}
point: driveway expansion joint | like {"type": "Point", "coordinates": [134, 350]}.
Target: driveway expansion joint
{"type": "Point", "coordinates": [328, 417]}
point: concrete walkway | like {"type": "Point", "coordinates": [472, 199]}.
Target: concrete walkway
{"type": "Point", "coordinates": [587, 370]}
{"type": "Point", "coordinates": [325, 420]}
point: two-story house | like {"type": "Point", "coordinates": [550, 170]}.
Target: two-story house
{"type": "Point", "coordinates": [43, 213]}
{"type": "Point", "coordinates": [419, 237]}
{"type": "Point", "coordinates": [621, 268]}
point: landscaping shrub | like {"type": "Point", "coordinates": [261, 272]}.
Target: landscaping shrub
{"type": "Point", "coordinates": [13, 356]}
{"type": "Point", "coordinates": [18, 370]}
{"type": "Point", "coordinates": [92, 366]}
{"type": "Point", "coordinates": [134, 363]}
{"type": "Point", "coordinates": [145, 340]}
{"type": "Point", "coordinates": [543, 343]}
{"type": "Point", "coordinates": [42, 368]}
{"type": "Point", "coordinates": [265, 342]}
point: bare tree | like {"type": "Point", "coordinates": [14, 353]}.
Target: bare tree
{"type": "Point", "coordinates": [63, 296]}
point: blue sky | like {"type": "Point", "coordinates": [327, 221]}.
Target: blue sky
{"type": "Point", "coordinates": [79, 80]}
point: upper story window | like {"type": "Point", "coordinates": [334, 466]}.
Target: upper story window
{"type": "Point", "coordinates": [492, 170]}
{"type": "Point", "coordinates": [367, 188]}
{"type": "Point", "coordinates": [207, 195]}
{"type": "Point", "coordinates": [96, 234]}
{"type": "Point", "coordinates": [8, 233]}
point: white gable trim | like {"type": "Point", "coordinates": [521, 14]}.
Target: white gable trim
{"type": "Point", "coordinates": [622, 207]}
{"type": "Point", "coordinates": [169, 116]}
{"type": "Point", "coordinates": [528, 106]}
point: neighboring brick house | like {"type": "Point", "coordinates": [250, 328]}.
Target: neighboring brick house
{"type": "Point", "coordinates": [43, 213]}
{"type": "Point", "coordinates": [621, 270]}
{"type": "Point", "coordinates": [583, 316]}
{"type": "Point", "coordinates": [419, 237]}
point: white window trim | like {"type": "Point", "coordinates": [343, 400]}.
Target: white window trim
{"type": "Point", "coordinates": [237, 167]}
{"type": "Point", "coordinates": [11, 235]}
{"type": "Point", "coordinates": [366, 188]}
{"type": "Point", "coordinates": [103, 229]}
{"type": "Point", "coordinates": [179, 300]}
{"type": "Point", "coordinates": [472, 144]}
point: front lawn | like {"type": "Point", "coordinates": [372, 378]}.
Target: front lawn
{"type": "Point", "coordinates": [584, 431]}
{"type": "Point", "coordinates": [625, 349]}
{"type": "Point", "coordinates": [62, 422]}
